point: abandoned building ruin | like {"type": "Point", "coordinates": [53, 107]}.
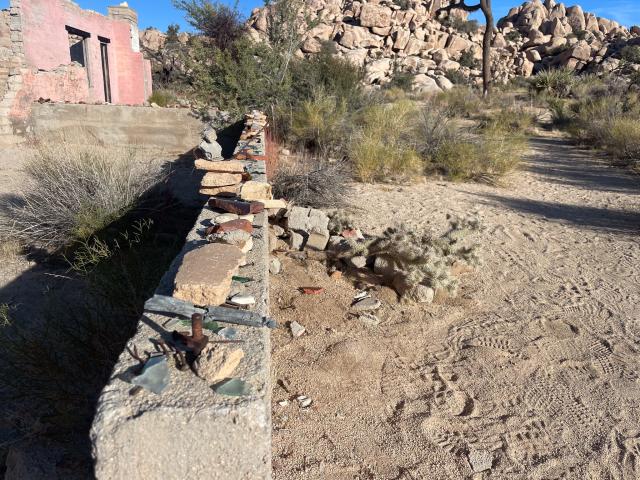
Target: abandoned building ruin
{"type": "Point", "coordinates": [56, 51]}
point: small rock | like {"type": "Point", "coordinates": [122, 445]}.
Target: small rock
{"type": "Point", "coordinates": [242, 300]}
{"type": "Point", "coordinates": [480, 460]}
{"type": "Point", "coordinates": [366, 304]}
{"type": "Point", "coordinates": [297, 330]}
{"type": "Point", "coordinates": [249, 218]}
{"type": "Point", "coordinates": [215, 179]}
{"type": "Point", "coordinates": [361, 295]}
{"type": "Point", "coordinates": [225, 217]}
{"type": "Point", "coordinates": [283, 403]}
{"type": "Point", "coordinates": [336, 275]}
{"type": "Point", "coordinates": [296, 241]}
{"type": "Point", "coordinates": [420, 294]}
{"type": "Point", "coordinates": [228, 166]}
{"type": "Point", "coordinates": [255, 191]}
{"type": "Point", "coordinates": [275, 266]}
{"type": "Point", "coordinates": [352, 233]}
{"type": "Point", "coordinates": [279, 231]}
{"type": "Point", "coordinates": [317, 241]}
{"type": "Point", "coordinates": [385, 267]}
{"type": "Point", "coordinates": [358, 262]}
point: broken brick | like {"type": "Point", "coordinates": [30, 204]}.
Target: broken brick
{"type": "Point", "coordinates": [312, 290]}
{"type": "Point", "coordinates": [236, 206]}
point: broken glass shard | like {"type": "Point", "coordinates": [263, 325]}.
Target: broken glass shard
{"type": "Point", "coordinates": [232, 387]}
{"type": "Point", "coordinates": [228, 333]}
{"type": "Point", "coordinates": [154, 376]}
{"type": "Point", "coordinates": [239, 279]}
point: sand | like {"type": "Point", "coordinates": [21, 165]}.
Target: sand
{"type": "Point", "coordinates": [531, 373]}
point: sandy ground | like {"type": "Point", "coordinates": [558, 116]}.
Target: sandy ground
{"type": "Point", "coordinates": [531, 373]}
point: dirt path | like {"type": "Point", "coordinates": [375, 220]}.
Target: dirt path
{"type": "Point", "coordinates": [532, 372]}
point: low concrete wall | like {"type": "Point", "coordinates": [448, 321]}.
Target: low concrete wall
{"type": "Point", "coordinates": [172, 130]}
{"type": "Point", "coordinates": [189, 431]}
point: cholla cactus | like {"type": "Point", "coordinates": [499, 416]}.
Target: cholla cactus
{"type": "Point", "coordinates": [339, 220]}
{"type": "Point", "coordinates": [422, 258]}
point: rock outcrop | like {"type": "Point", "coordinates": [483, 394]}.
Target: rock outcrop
{"type": "Point", "coordinates": [385, 38]}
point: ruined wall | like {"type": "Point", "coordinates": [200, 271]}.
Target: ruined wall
{"type": "Point", "coordinates": [172, 130]}
{"type": "Point", "coordinates": [46, 46]}
{"type": "Point", "coordinates": [35, 61]}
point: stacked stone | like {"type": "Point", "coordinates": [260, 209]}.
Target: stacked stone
{"type": "Point", "coordinates": [239, 192]}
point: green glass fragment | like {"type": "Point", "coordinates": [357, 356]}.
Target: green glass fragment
{"type": "Point", "coordinates": [232, 387]}
{"type": "Point", "coordinates": [238, 279]}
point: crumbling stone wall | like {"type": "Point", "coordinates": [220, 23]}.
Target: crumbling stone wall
{"type": "Point", "coordinates": [35, 56]}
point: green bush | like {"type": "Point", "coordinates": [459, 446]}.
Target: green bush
{"type": "Point", "coordinates": [622, 140]}
{"type": "Point", "coordinates": [162, 98]}
{"type": "Point", "coordinates": [462, 25]}
{"type": "Point", "coordinates": [556, 83]}
{"type": "Point", "coordinates": [381, 148]}
{"type": "Point", "coordinates": [467, 59]}
{"type": "Point", "coordinates": [457, 77]}
{"type": "Point", "coordinates": [513, 36]}
{"type": "Point", "coordinates": [460, 101]}
{"type": "Point", "coordinates": [509, 120]}
{"type": "Point", "coordinates": [631, 53]}
{"type": "Point", "coordinates": [318, 123]}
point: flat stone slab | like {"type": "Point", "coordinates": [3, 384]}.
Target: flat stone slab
{"type": "Point", "coordinates": [229, 166]}
{"type": "Point", "coordinates": [215, 179]}
{"type": "Point", "coordinates": [204, 276]}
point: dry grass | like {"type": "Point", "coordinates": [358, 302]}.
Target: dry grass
{"type": "Point", "coordinates": [383, 147]}
{"type": "Point", "coordinates": [313, 182]}
{"type": "Point", "coordinates": [623, 139]}
{"type": "Point", "coordinates": [73, 191]}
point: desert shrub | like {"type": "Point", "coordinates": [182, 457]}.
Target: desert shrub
{"type": "Point", "coordinates": [421, 257]}
{"type": "Point", "coordinates": [462, 25]}
{"type": "Point", "coordinates": [513, 36]}
{"type": "Point", "coordinates": [623, 139]}
{"type": "Point", "coordinates": [403, 4]}
{"type": "Point", "coordinates": [162, 98]}
{"type": "Point", "coordinates": [401, 80]}
{"type": "Point", "coordinates": [435, 126]}
{"type": "Point", "coordinates": [382, 147]}
{"type": "Point", "coordinates": [631, 53]}
{"type": "Point", "coordinates": [468, 59]}
{"type": "Point", "coordinates": [335, 75]}
{"type": "Point", "coordinates": [634, 79]}
{"type": "Point", "coordinates": [314, 182]}
{"type": "Point", "coordinates": [72, 191]}
{"type": "Point", "coordinates": [556, 83]}
{"type": "Point", "coordinates": [509, 120]}
{"type": "Point", "coordinates": [220, 23]}
{"type": "Point", "coordinates": [318, 123]}
{"type": "Point", "coordinates": [561, 115]}
{"type": "Point", "coordinates": [461, 101]}
{"type": "Point", "coordinates": [456, 77]}
{"type": "Point", "coordinates": [484, 158]}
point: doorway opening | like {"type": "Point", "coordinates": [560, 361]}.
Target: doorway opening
{"type": "Point", "coordinates": [78, 48]}
{"type": "Point", "coordinates": [104, 54]}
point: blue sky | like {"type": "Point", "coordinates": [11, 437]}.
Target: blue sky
{"type": "Point", "coordinates": [160, 13]}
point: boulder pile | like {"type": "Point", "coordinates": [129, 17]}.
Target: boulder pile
{"type": "Point", "coordinates": [385, 39]}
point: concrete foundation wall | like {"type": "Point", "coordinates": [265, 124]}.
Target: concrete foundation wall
{"type": "Point", "coordinates": [189, 430]}
{"type": "Point", "coordinates": [172, 130]}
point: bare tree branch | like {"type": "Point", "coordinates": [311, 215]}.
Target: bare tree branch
{"type": "Point", "coordinates": [460, 5]}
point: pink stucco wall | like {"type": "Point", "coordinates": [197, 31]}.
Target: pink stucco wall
{"type": "Point", "coordinates": [46, 47]}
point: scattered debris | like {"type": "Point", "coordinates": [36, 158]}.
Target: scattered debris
{"type": "Point", "coordinates": [154, 376]}
{"type": "Point", "coordinates": [312, 290]}
{"type": "Point", "coordinates": [242, 300]}
{"type": "Point", "coordinates": [232, 387]}
{"type": "Point", "coordinates": [297, 330]}
{"type": "Point", "coordinates": [275, 266]}
{"type": "Point", "coordinates": [283, 403]}
{"type": "Point", "coordinates": [366, 304]}
{"type": "Point", "coordinates": [304, 401]}
{"type": "Point", "coordinates": [369, 319]}
{"type": "Point", "coordinates": [239, 279]}
{"type": "Point", "coordinates": [358, 261]}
